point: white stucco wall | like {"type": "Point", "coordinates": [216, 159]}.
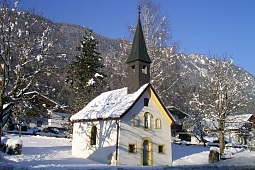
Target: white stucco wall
{"type": "Point", "coordinates": [136, 135]}
{"type": "Point", "coordinates": [105, 147]}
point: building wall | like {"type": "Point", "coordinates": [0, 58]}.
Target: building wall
{"type": "Point", "coordinates": [105, 147]}
{"type": "Point", "coordinates": [130, 134]}
{"type": "Point", "coordinates": [57, 119]}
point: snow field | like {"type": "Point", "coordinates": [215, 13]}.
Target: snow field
{"type": "Point", "coordinates": [40, 152]}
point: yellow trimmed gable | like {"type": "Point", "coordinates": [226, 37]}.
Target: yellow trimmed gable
{"type": "Point", "coordinates": [159, 104]}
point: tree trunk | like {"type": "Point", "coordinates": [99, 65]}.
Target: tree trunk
{"type": "Point", "coordinates": [221, 138]}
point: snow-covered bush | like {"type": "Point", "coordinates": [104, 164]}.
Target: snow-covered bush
{"type": "Point", "coordinates": [12, 146]}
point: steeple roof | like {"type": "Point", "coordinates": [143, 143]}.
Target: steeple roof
{"type": "Point", "coordinates": [139, 50]}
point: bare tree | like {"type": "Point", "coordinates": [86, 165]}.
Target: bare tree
{"type": "Point", "coordinates": [24, 54]}
{"type": "Point", "coordinates": [223, 95]}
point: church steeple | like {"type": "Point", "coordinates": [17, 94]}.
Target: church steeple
{"type": "Point", "coordinates": [138, 61]}
{"type": "Point", "coordinates": [139, 50]}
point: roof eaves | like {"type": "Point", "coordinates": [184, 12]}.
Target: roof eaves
{"type": "Point", "coordinates": [96, 119]}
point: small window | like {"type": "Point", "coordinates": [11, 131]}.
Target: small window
{"type": "Point", "coordinates": [157, 123]}
{"type": "Point", "coordinates": [146, 102]}
{"type": "Point", "coordinates": [144, 70]}
{"type": "Point", "coordinates": [136, 120]}
{"type": "Point", "coordinates": [132, 148]}
{"type": "Point", "coordinates": [161, 149]}
{"type": "Point", "coordinates": [93, 136]}
{"type": "Point", "coordinates": [133, 69]}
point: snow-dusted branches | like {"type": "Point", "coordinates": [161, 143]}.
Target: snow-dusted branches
{"type": "Point", "coordinates": [226, 87]}
{"type": "Point", "coordinates": [25, 43]}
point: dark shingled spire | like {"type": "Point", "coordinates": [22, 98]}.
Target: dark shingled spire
{"type": "Point", "coordinates": [139, 50]}
{"type": "Point", "coordinates": [138, 61]}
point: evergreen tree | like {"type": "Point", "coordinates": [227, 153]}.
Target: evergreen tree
{"type": "Point", "coordinates": [85, 73]}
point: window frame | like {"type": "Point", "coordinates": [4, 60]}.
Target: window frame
{"type": "Point", "coordinates": [156, 123]}
{"type": "Point", "coordinates": [134, 148]}
{"type": "Point", "coordinates": [161, 149]}
{"type": "Point", "coordinates": [148, 119]}
{"type": "Point", "coordinates": [93, 135]}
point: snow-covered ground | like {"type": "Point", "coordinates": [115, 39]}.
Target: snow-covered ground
{"type": "Point", "coordinates": [55, 153]}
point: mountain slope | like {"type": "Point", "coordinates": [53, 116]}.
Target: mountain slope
{"type": "Point", "coordinates": [174, 75]}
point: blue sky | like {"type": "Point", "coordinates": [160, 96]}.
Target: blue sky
{"type": "Point", "coordinates": [200, 26]}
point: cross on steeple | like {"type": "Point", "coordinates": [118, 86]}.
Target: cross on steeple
{"type": "Point", "coordinates": [139, 10]}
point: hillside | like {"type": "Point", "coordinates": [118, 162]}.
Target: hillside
{"type": "Point", "coordinates": [174, 75]}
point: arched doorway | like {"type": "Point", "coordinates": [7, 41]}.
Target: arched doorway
{"type": "Point", "coordinates": [146, 152]}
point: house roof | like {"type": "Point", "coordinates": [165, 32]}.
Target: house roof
{"type": "Point", "coordinates": [112, 105]}
{"type": "Point", "coordinates": [177, 112]}
{"type": "Point", "coordinates": [237, 121]}
{"type": "Point", "coordinates": [139, 50]}
{"type": "Point", "coordinates": [43, 100]}
{"type": "Point", "coordinates": [36, 93]}
{"type": "Point", "coordinates": [239, 118]}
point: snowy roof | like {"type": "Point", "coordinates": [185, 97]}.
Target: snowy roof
{"type": "Point", "coordinates": [37, 93]}
{"type": "Point", "coordinates": [237, 121]}
{"type": "Point", "coordinates": [239, 118]}
{"type": "Point", "coordinates": [111, 104]}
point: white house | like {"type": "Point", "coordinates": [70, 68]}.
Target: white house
{"type": "Point", "coordinates": [128, 126]}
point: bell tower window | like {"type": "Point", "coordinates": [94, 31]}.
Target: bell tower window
{"type": "Point", "coordinates": [144, 70]}
{"type": "Point", "coordinates": [133, 69]}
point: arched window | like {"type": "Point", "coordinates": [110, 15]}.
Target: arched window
{"type": "Point", "coordinates": [93, 135]}
{"type": "Point", "coordinates": [147, 120]}
{"type": "Point", "coordinates": [136, 120]}
{"type": "Point", "coordinates": [157, 123]}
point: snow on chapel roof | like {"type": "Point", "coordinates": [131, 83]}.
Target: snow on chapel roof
{"type": "Point", "coordinates": [111, 104]}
